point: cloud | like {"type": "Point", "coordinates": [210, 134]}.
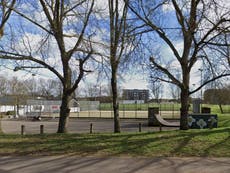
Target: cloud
{"type": "Point", "coordinates": [102, 8]}
{"type": "Point", "coordinates": [168, 7]}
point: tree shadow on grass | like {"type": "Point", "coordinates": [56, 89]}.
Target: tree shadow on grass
{"type": "Point", "coordinates": [167, 143]}
{"type": "Point", "coordinates": [208, 149]}
{"type": "Point", "coordinates": [225, 123]}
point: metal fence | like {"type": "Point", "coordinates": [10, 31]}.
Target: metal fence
{"type": "Point", "coordinates": [95, 109]}
{"type": "Point", "coordinates": [166, 110]}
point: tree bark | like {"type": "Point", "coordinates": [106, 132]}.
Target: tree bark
{"type": "Point", "coordinates": [0, 124]}
{"type": "Point", "coordinates": [184, 109]}
{"type": "Point", "coordinates": [64, 114]}
{"type": "Point", "coordinates": [221, 109]}
{"type": "Point", "coordinates": [117, 128]}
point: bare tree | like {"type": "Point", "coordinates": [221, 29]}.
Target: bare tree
{"type": "Point", "coordinates": [3, 85]}
{"type": "Point", "coordinates": [174, 91]}
{"type": "Point", "coordinates": [16, 90]}
{"type": "Point", "coordinates": [156, 88]}
{"type": "Point", "coordinates": [90, 90]}
{"type": "Point", "coordinates": [63, 25]}
{"type": "Point", "coordinates": [118, 40]}
{"type": "Point", "coordinates": [48, 88]}
{"type": "Point", "coordinates": [218, 93]}
{"type": "Point", "coordinates": [5, 12]}
{"type": "Point", "coordinates": [200, 26]}
{"type": "Point", "coordinates": [16, 87]}
{"type": "Point", "coordinates": [6, 9]}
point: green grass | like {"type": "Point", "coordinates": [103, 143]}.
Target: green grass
{"type": "Point", "coordinates": [204, 143]}
{"type": "Point", "coordinates": [216, 108]}
{"type": "Point", "coordinates": [224, 120]}
{"type": "Point", "coordinates": [208, 143]}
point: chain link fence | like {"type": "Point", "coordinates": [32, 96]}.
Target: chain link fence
{"type": "Point", "coordinates": [95, 109]}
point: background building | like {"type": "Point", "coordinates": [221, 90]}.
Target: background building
{"type": "Point", "coordinates": [136, 94]}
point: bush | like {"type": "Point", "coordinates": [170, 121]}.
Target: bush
{"type": "Point", "coordinates": [10, 113]}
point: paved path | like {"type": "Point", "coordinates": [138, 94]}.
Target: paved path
{"type": "Point", "coordinates": [77, 125]}
{"type": "Point", "coordinates": [71, 164]}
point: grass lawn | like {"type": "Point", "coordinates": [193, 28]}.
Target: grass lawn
{"type": "Point", "coordinates": [205, 143]}
{"type": "Point", "coordinates": [210, 143]}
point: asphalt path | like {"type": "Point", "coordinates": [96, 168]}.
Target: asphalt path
{"type": "Point", "coordinates": [72, 164]}
{"type": "Point", "coordinates": [77, 125]}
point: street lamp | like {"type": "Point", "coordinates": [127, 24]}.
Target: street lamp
{"type": "Point", "coordinates": [33, 86]}
{"type": "Point", "coordinates": [194, 86]}
{"type": "Point", "coordinates": [201, 70]}
{"type": "Point", "coordinates": [17, 68]}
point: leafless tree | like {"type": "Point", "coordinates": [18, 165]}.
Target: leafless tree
{"type": "Point", "coordinates": [63, 26]}
{"type": "Point", "coordinates": [201, 27]}
{"type": "Point", "coordinates": [3, 85]}
{"type": "Point", "coordinates": [156, 88]}
{"type": "Point", "coordinates": [174, 91]}
{"type": "Point", "coordinates": [48, 88]}
{"type": "Point", "coordinates": [16, 87]}
{"type": "Point", "coordinates": [217, 92]}
{"type": "Point", "coordinates": [118, 40]}
{"type": "Point", "coordinates": [5, 12]}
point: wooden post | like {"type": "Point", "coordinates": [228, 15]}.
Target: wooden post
{"type": "Point", "coordinates": [41, 129]}
{"type": "Point", "coordinates": [22, 129]}
{"type": "Point", "coordinates": [91, 128]}
{"type": "Point", "coordinates": [139, 127]}
{"type": "Point", "coordinates": [160, 127]}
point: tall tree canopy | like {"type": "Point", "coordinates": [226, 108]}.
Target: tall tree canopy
{"type": "Point", "coordinates": [195, 32]}
{"type": "Point", "coordinates": [178, 36]}
{"type": "Point", "coordinates": [55, 35]}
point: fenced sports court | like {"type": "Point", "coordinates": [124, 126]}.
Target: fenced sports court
{"type": "Point", "coordinates": [95, 109]}
{"type": "Point", "coordinates": [109, 114]}
{"type": "Point", "coordinates": [105, 110]}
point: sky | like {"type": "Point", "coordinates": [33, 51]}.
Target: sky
{"type": "Point", "coordinates": [135, 80]}
{"type": "Point", "coordinates": [32, 39]}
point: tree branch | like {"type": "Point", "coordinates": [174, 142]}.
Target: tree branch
{"type": "Point", "coordinates": [165, 71]}
{"type": "Point", "coordinates": [159, 31]}
{"type": "Point", "coordinates": [208, 81]}
{"type": "Point", "coordinates": [18, 57]}
{"type": "Point", "coordinates": [81, 73]}
{"type": "Point", "coordinates": [70, 52]}
{"type": "Point", "coordinates": [5, 14]}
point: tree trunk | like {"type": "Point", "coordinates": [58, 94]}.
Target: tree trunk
{"type": "Point", "coordinates": [184, 109]}
{"type": "Point", "coordinates": [0, 124]}
{"type": "Point", "coordinates": [221, 109]}
{"type": "Point", "coordinates": [64, 114]}
{"type": "Point", "coordinates": [117, 128]}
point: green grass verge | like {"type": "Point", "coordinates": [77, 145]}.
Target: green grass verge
{"type": "Point", "coordinates": [205, 143]}
{"type": "Point", "coordinates": [224, 120]}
